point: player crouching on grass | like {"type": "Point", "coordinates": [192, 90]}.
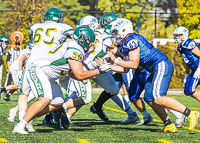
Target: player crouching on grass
{"type": "Point", "coordinates": [40, 76]}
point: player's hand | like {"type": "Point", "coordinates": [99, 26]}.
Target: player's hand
{"type": "Point", "coordinates": [104, 68]}
{"type": "Point", "coordinates": [197, 74]}
{"type": "Point", "coordinates": [100, 61]}
{"type": "Point", "coordinates": [184, 81]}
{"type": "Point", "coordinates": [112, 56]}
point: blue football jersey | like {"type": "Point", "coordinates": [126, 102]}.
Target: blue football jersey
{"type": "Point", "coordinates": [185, 50]}
{"type": "Point", "coordinates": [149, 55]}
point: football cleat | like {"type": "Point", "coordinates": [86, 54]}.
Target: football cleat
{"type": "Point", "coordinates": [47, 121]}
{"type": "Point", "coordinates": [6, 98]}
{"type": "Point", "coordinates": [63, 117]}
{"type": "Point", "coordinates": [56, 118]}
{"type": "Point", "coordinates": [170, 128]}
{"type": "Point", "coordinates": [19, 129]}
{"type": "Point", "coordinates": [145, 121]}
{"type": "Point", "coordinates": [131, 119]}
{"type": "Point", "coordinates": [193, 119]}
{"type": "Point", "coordinates": [100, 113]}
{"type": "Point", "coordinates": [179, 121]}
{"type": "Point", "coordinates": [29, 127]}
{"type": "Point", "coordinates": [12, 115]}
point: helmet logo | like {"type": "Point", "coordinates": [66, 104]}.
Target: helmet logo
{"type": "Point", "coordinates": [83, 38]}
{"type": "Point", "coordinates": [119, 23]}
{"type": "Point", "coordinates": [94, 20]}
{"type": "Point", "coordinates": [106, 20]}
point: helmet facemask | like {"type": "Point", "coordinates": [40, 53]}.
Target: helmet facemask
{"type": "Point", "coordinates": [84, 36]}
{"type": "Point", "coordinates": [177, 40]}
{"type": "Point", "coordinates": [120, 28]}
{"type": "Point", "coordinates": [180, 31]}
{"type": "Point", "coordinates": [4, 43]}
{"type": "Point", "coordinates": [89, 21]}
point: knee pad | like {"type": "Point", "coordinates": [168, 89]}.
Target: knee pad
{"type": "Point", "coordinates": [78, 102]}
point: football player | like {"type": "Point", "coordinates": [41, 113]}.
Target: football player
{"type": "Point", "coordinates": [142, 54]}
{"type": "Point", "coordinates": [118, 99]}
{"type": "Point", "coordinates": [45, 36]}
{"type": "Point", "coordinates": [190, 53]}
{"type": "Point", "coordinates": [41, 74]}
{"type": "Point", "coordinates": [3, 44]}
{"type": "Point", "coordinates": [103, 41]}
{"type": "Point", "coordinates": [14, 68]}
{"type": "Point", "coordinates": [16, 71]}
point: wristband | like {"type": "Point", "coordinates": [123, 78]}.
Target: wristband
{"type": "Point", "coordinates": [116, 60]}
{"type": "Point", "coordinates": [98, 71]}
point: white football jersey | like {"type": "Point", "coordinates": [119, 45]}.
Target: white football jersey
{"type": "Point", "coordinates": [54, 63]}
{"type": "Point", "coordinates": [103, 41]}
{"type": "Point", "coordinates": [15, 64]}
{"type": "Point", "coordinates": [46, 36]}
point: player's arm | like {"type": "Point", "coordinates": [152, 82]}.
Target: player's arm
{"type": "Point", "coordinates": [21, 60]}
{"type": "Point", "coordinates": [78, 73]}
{"type": "Point", "coordinates": [196, 51]}
{"type": "Point", "coordinates": [134, 56]}
{"type": "Point", "coordinates": [8, 61]}
{"type": "Point", "coordinates": [116, 68]}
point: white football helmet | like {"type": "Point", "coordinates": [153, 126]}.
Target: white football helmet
{"type": "Point", "coordinates": [181, 31]}
{"type": "Point", "coordinates": [89, 21]}
{"type": "Point", "coordinates": [120, 28]}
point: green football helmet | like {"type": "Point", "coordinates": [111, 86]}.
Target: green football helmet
{"type": "Point", "coordinates": [106, 19]}
{"type": "Point", "coordinates": [4, 41]}
{"type": "Point", "coordinates": [78, 24]}
{"type": "Point", "coordinates": [53, 14]}
{"type": "Point", "coordinates": [84, 36]}
{"type": "Point", "coordinates": [29, 45]}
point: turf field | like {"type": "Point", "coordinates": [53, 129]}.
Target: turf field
{"type": "Point", "coordinates": [88, 128]}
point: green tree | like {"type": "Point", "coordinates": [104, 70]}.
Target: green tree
{"type": "Point", "coordinates": [69, 5]}
{"type": "Point", "coordinates": [190, 21]}
{"type": "Point", "coordinates": [125, 8]}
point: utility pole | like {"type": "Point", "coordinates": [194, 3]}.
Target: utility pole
{"type": "Point", "coordinates": [97, 9]}
{"type": "Point", "coordinates": [155, 24]}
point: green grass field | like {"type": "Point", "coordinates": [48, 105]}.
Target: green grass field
{"type": "Point", "coordinates": [88, 128]}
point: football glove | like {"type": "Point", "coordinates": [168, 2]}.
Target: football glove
{"type": "Point", "coordinates": [184, 81]}
{"type": "Point", "coordinates": [197, 73]}
{"type": "Point", "coordinates": [104, 68]}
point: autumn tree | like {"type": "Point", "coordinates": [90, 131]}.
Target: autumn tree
{"type": "Point", "coordinates": [190, 21]}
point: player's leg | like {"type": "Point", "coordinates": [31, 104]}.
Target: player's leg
{"type": "Point", "coordinates": [135, 83]}
{"type": "Point", "coordinates": [126, 96]}
{"type": "Point", "coordinates": [8, 82]}
{"type": "Point", "coordinates": [13, 111]}
{"type": "Point", "coordinates": [72, 111]}
{"type": "Point", "coordinates": [78, 94]}
{"type": "Point", "coordinates": [160, 84]}
{"type": "Point", "coordinates": [3, 90]}
{"type": "Point", "coordinates": [1, 72]}
{"type": "Point", "coordinates": [43, 90]}
{"type": "Point", "coordinates": [107, 82]}
{"type": "Point", "coordinates": [180, 118]}
{"type": "Point", "coordinates": [190, 87]}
